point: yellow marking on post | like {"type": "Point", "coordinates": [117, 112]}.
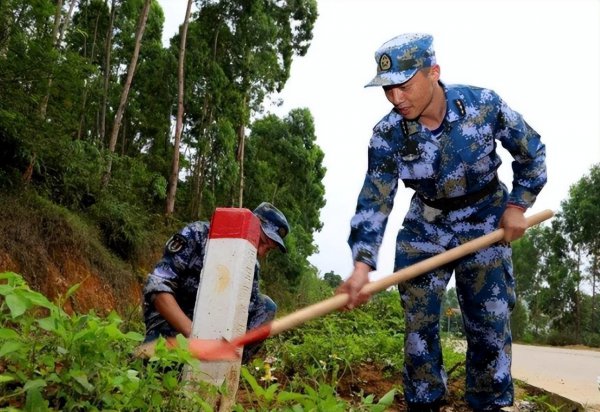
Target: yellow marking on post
{"type": "Point", "coordinates": [223, 278]}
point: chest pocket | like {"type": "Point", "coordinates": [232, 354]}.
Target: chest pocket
{"type": "Point", "coordinates": [417, 160]}
{"type": "Point", "coordinates": [479, 159]}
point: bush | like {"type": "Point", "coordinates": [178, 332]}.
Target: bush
{"type": "Point", "coordinates": [124, 227]}
{"type": "Point", "coordinates": [50, 360]}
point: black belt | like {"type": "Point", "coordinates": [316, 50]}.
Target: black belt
{"type": "Point", "coordinates": [458, 202]}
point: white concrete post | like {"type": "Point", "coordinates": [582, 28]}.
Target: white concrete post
{"type": "Point", "coordinates": [221, 309]}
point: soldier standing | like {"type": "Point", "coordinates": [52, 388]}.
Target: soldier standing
{"type": "Point", "coordinates": [440, 140]}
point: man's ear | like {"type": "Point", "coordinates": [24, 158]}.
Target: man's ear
{"type": "Point", "coordinates": [434, 72]}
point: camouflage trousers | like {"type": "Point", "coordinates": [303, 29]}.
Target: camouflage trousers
{"type": "Point", "coordinates": [485, 289]}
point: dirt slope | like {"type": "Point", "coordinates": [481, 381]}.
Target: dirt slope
{"type": "Point", "coordinates": [54, 250]}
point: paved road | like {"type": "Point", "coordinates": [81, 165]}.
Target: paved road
{"type": "Point", "coordinates": [571, 373]}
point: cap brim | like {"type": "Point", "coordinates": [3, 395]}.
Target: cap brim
{"type": "Point", "coordinates": [274, 236]}
{"type": "Point", "coordinates": [392, 78]}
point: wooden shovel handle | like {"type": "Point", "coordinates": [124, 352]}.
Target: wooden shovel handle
{"type": "Point", "coordinates": [338, 301]}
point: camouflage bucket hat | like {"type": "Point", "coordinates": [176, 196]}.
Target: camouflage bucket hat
{"type": "Point", "coordinates": [273, 223]}
{"type": "Point", "coordinates": [399, 59]}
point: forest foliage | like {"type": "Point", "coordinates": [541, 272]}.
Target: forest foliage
{"type": "Point", "coordinates": [64, 71]}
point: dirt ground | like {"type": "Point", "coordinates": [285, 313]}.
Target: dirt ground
{"type": "Point", "coordinates": [369, 379]}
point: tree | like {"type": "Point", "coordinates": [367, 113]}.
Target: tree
{"type": "Point", "coordinates": [284, 167]}
{"type": "Point", "coordinates": [581, 215]}
{"type": "Point", "coordinates": [174, 176]}
{"type": "Point", "coordinates": [130, 72]}
{"type": "Point", "coordinates": [332, 279]}
{"type": "Point", "coordinates": [266, 35]}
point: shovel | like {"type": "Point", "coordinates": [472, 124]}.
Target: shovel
{"type": "Point", "coordinates": [215, 350]}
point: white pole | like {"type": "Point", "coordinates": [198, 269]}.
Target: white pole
{"type": "Point", "coordinates": [221, 309]}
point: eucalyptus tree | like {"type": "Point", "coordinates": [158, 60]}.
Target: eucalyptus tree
{"type": "Point", "coordinates": [125, 92]}
{"type": "Point", "coordinates": [285, 167]}
{"type": "Point", "coordinates": [238, 52]}
{"type": "Point", "coordinates": [174, 175]}
{"type": "Point", "coordinates": [211, 106]}
{"type": "Point", "coordinates": [526, 258]}
{"type": "Point", "coordinates": [264, 37]}
{"type": "Point", "coordinates": [61, 22]}
{"type": "Point", "coordinates": [581, 216]}
{"type": "Point", "coordinates": [92, 22]}
{"type": "Point", "coordinates": [556, 304]}
{"type": "Point", "coordinates": [28, 59]}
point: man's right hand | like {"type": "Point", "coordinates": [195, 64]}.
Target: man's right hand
{"type": "Point", "coordinates": [354, 284]}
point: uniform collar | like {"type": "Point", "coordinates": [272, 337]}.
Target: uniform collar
{"type": "Point", "coordinates": [455, 110]}
{"type": "Point", "coordinates": [456, 107]}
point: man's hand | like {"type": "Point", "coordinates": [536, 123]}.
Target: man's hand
{"type": "Point", "coordinates": [353, 285]}
{"type": "Point", "coordinates": [513, 222]}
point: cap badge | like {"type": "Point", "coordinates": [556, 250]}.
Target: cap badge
{"type": "Point", "coordinates": [282, 232]}
{"type": "Point", "coordinates": [385, 63]}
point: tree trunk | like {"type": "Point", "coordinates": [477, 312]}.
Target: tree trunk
{"type": "Point", "coordinates": [241, 144]}
{"type": "Point", "coordinates": [58, 34]}
{"type": "Point", "coordinates": [174, 176]}
{"type": "Point", "coordinates": [67, 21]}
{"type": "Point", "coordinates": [578, 300]}
{"type": "Point", "coordinates": [86, 86]}
{"type": "Point", "coordinates": [240, 157]}
{"type": "Point", "coordinates": [107, 51]}
{"type": "Point", "coordinates": [595, 326]}
{"type": "Point", "coordinates": [130, 72]}
{"type": "Point", "coordinates": [55, 42]}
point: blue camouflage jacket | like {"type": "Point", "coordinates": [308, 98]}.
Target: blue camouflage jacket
{"type": "Point", "coordinates": [460, 161]}
{"type": "Point", "coordinates": [178, 272]}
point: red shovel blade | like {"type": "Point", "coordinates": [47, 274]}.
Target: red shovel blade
{"type": "Point", "coordinates": [213, 350]}
{"type": "Point", "coordinates": [223, 350]}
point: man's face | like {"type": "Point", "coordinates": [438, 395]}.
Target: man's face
{"type": "Point", "coordinates": [413, 97]}
{"type": "Point", "coordinates": [265, 244]}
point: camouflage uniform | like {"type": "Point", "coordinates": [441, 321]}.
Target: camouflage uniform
{"type": "Point", "coordinates": [457, 198]}
{"type": "Point", "coordinates": [178, 273]}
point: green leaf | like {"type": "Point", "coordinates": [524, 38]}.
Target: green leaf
{"type": "Point", "coordinates": [6, 378]}
{"type": "Point", "coordinates": [35, 401]}
{"type": "Point", "coordinates": [388, 398]}
{"type": "Point", "coordinates": [48, 323]}
{"type": "Point", "coordinates": [34, 384]}
{"type": "Point", "coordinates": [81, 378]}
{"type": "Point", "coordinates": [170, 380]}
{"type": "Point", "coordinates": [269, 393]}
{"type": "Point", "coordinates": [113, 332]}
{"type": "Point", "coordinates": [6, 333]}
{"type": "Point", "coordinates": [13, 279]}
{"type": "Point", "coordinates": [72, 290]}
{"type": "Point", "coordinates": [286, 396]}
{"type": "Point", "coordinates": [10, 347]}
{"type": "Point", "coordinates": [368, 400]}
{"type": "Point", "coordinates": [17, 305]}
{"type": "Point", "coordinates": [252, 381]}
{"type": "Point", "coordinates": [6, 289]}
{"type": "Point", "coordinates": [134, 336]}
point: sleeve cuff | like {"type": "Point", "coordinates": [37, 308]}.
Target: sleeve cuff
{"type": "Point", "coordinates": [516, 206]}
